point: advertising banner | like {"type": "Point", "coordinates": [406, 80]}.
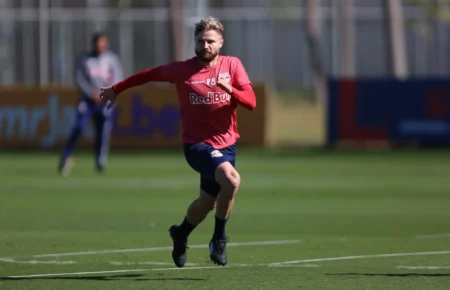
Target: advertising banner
{"type": "Point", "coordinates": [147, 116]}
{"type": "Point", "coordinates": [414, 110]}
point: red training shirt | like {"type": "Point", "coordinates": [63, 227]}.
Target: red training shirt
{"type": "Point", "coordinates": [208, 114]}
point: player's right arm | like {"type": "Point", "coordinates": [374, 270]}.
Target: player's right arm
{"type": "Point", "coordinates": [164, 73]}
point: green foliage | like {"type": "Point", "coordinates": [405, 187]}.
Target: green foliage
{"type": "Point", "coordinates": [439, 11]}
{"type": "Point", "coordinates": [434, 12]}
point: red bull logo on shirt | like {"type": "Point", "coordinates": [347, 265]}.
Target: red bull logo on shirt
{"type": "Point", "coordinates": [211, 98]}
{"type": "Point", "coordinates": [225, 76]}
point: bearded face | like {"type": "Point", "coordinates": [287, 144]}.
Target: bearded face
{"type": "Point", "coordinates": [207, 45]}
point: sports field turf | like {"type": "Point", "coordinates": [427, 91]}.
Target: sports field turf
{"type": "Point", "coordinates": [376, 220]}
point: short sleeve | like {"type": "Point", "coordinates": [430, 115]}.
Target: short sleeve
{"type": "Point", "coordinates": [240, 76]}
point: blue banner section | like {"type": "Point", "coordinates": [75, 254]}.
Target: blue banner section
{"type": "Point", "coordinates": [389, 110]}
{"type": "Point", "coordinates": [146, 120]}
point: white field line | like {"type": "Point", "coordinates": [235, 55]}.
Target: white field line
{"type": "Point", "coordinates": [360, 257]}
{"type": "Point", "coordinates": [8, 260]}
{"type": "Point", "coordinates": [295, 265]}
{"type": "Point", "coordinates": [124, 271]}
{"type": "Point", "coordinates": [422, 267]}
{"type": "Point", "coordinates": [76, 273]}
{"type": "Point", "coordinates": [245, 265]}
{"type": "Point", "coordinates": [109, 272]}
{"type": "Point", "coordinates": [435, 236]}
{"type": "Point", "coordinates": [116, 263]}
{"type": "Point", "coordinates": [278, 264]}
{"type": "Point", "coordinates": [227, 266]}
{"type": "Point", "coordinates": [146, 263]}
{"type": "Point", "coordinates": [191, 268]}
{"type": "Point", "coordinates": [156, 249]}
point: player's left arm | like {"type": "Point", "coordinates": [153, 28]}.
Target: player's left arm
{"type": "Point", "coordinates": [245, 96]}
{"type": "Point", "coordinates": [240, 87]}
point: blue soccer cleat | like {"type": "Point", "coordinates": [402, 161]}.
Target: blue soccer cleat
{"type": "Point", "coordinates": [218, 251]}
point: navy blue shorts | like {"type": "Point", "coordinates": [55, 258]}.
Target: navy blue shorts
{"type": "Point", "coordinates": [204, 159]}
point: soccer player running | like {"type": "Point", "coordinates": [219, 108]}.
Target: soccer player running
{"type": "Point", "coordinates": [210, 87]}
{"type": "Point", "coordinates": [94, 69]}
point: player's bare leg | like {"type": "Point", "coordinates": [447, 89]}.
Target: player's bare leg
{"type": "Point", "coordinates": [199, 208]}
{"type": "Point", "coordinates": [196, 213]}
{"type": "Point", "coordinates": [229, 180]}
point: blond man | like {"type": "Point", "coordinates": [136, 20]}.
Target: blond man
{"type": "Point", "coordinates": [210, 87]}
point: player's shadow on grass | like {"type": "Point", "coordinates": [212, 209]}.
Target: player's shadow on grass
{"type": "Point", "coordinates": [105, 278]}
{"type": "Point", "coordinates": [391, 274]}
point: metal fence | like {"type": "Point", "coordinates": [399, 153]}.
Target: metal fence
{"type": "Point", "coordinates": [39, 40]}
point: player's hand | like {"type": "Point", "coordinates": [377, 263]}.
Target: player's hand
{"type": "Point", "coordinates": [107, 95]}
{"type": "Point", "coordinates": [225, 86]}
{"type": "Point", "coordinates": [96, 98]}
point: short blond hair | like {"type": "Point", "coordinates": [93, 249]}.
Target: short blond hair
{"type": "Point", "coordinates": [208, 24]}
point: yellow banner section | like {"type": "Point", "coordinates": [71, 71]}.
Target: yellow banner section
{"type": "Point", "coordinates": [147, 116]}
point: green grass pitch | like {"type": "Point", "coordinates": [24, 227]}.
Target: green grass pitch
{"type": "Point", "coordinates": [307, 220]}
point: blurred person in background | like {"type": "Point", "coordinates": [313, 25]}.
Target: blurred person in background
{"type": "Point", "coordinates": [96, 68]}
